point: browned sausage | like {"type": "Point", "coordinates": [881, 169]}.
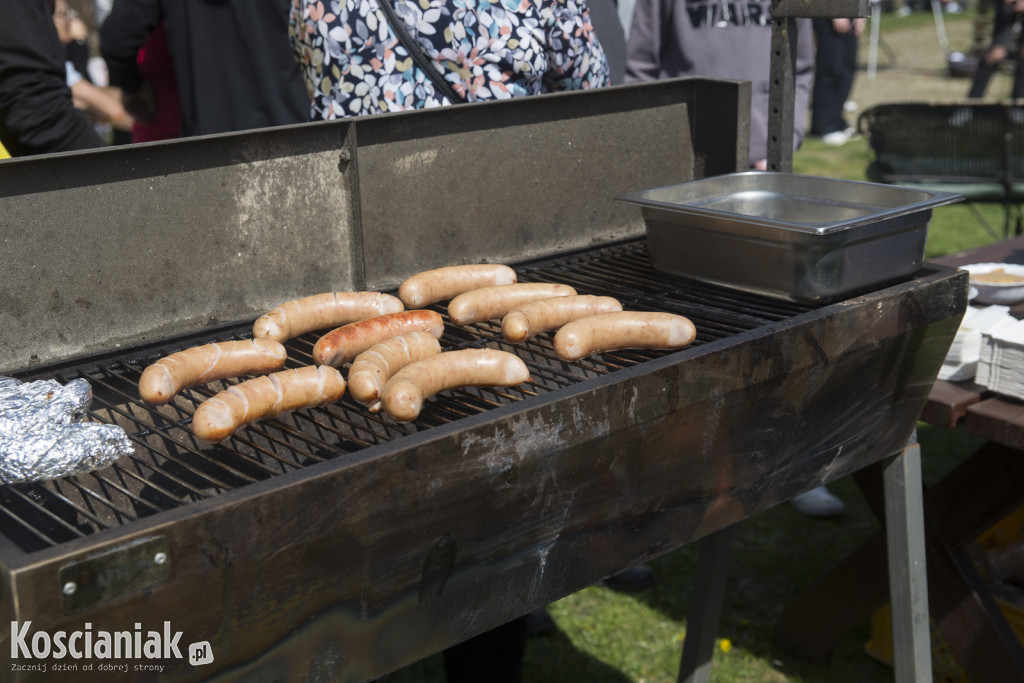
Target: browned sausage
{"type": "Point", "coordinates": [162, 380]}
{"type": "Point", "coordinates": [264, 397]}
{"type": "Point", "coordinates": [321, 312]}
{"type": "Point", "coordinates": [532, 318]}
{"type": "Point", "coordinates": [405, 392]}
{"type": "Point", "coordinates": [341, 345]}
{"type": "Point", "coordinates": [441, 284]}
{"type": "Point", "coordinates": [622, 330]}
{"type": "Point", "coordinates": [489, 303]}
{"type": "Point", "coordinates": [373, 367]}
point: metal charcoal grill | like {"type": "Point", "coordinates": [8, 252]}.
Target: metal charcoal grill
{"type": "Point", "coordinates": [171, 469]}
{"type": "Point", "coordinates": [334, 544]}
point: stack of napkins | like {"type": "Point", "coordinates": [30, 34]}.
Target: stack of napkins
{"type": "Point", "coordinates": [1001, 362]}
{"type": "Point", "coordinates": [965, 354]}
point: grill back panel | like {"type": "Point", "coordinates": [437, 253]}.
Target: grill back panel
{"type": "Point", "coordinates": [123, 246]}
{"type": "Point", "coordinates": [518, 181]}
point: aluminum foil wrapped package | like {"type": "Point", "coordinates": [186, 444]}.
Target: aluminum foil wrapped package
{"type": "Point", "coordinates": [43, 436]}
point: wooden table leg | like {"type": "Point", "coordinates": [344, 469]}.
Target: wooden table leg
{"type": "Point", "coordinates": [706, 606]}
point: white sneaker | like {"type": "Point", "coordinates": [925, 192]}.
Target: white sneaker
{"type": "Point", "coordinates": [849, 106]}
{"type": "Point", "coordinates": [836, 138]}
{"type": "Point", "coordinates": [819, 502]}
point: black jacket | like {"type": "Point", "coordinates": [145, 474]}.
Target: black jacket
{"type": "Point", "coordinates": [232, 60]}
{"type": "Point", "coordinates": [36, 112]}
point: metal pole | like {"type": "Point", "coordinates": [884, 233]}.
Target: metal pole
{"type": "Point", "coordinates": [782, 89]}
{"type": "Point", "coordinates": [876, 26]}
{"type": "Point", "coordinates": [782, 95]}
{"type": "Point", "coordinates": [706, 606]}
{"type": "Point", "coordinates": [940, 27]}
{"type": "Point", "coordinates": [908, 577]}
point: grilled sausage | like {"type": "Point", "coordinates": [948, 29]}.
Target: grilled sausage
{"type": "Point", "coordinates": [622, 330]}
{"type": "Point", "coordinates": [321, 312]}
{"type": "Point", "coordinates": [530, 319]}
{"type": "Point", "coordinates": [344, 343]}
{"type": "Point", "coordinates": [162, 380]}
{"type": "Point", "coordinates": [264, 397]}
{"type": "Point", "coordinates": [405, 392]}
{"type": "Point", "coordinates": [489, 303]}
{"type": "Point", "coordinates": [441, 284]}
{"type": "Point", "coordinates": [373, 367]}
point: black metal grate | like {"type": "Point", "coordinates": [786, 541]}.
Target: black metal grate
{"type": "Point", "coordinates": [170, 468]}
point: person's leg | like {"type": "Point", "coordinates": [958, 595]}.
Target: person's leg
{"type": "Point", "coordinates": [1018, 76]}
{"type": "Point", "coordinates": [495, 656]}
{"type": "Point", "coordinates": [986, 69]}
{"type": "Point", "coordinates": [826, 100]}
{"type": "Point", "coordinates": [1002, 39]}
{"type": "Point", "coordinates": [849, 62]}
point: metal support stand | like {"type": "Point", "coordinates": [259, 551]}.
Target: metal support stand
{"type": "Point", "coordinates": [782, 90]}
{"type": "Point", "coordinates": [908, 578]}
{"type": "Point", "coordinates": [876, 37]}
{"type": "Point", "coordinates": [706, 606]}
{"type": "Point", "coordinates": [782, 94]}
{"type": "Point", "coordinates": [908, 581]}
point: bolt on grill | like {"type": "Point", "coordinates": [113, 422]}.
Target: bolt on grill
{"type": "Point", "coordinates": [170, 468]}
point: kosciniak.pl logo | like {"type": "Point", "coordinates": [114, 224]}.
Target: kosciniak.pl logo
{"type": "Point", "coordinates": [31, 648]}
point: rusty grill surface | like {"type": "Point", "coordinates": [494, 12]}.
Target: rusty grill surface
{"type": "Point", "coordinates": [170, 468]}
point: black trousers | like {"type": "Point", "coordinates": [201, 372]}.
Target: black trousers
{"type": "Point", "coordinates": [835, 65]}
{"type": "Point", "coordinates": [492, 657]}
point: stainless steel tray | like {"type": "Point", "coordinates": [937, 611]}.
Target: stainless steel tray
{"type": "Point", "coordinates": [794, 237]}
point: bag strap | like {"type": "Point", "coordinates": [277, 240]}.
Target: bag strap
{"type": "Point", "coordinates": [415, 51]}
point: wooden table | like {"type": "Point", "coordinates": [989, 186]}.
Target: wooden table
{"type": "Point", "coordinates": [982, 490]}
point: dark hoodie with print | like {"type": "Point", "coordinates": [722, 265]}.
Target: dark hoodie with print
{"type": "Point", "coordinates": [718, 39]}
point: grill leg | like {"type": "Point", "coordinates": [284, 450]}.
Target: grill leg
{"type": "Point", "coordinates": [908, 579]}
{"type": "Point", "coordinates": [706, 607]}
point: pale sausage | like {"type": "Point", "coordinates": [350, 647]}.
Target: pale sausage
{"type": "Point", "coordinates": [373, 367]}
{"type": "Point", "coordinates": [322, 312]}
{"type": "Point", "coordinates": [489, 303]}
{"type": "Point", "coordinates": [162, 380]}
{"type": "Point", "coordinates": [341, 345]}
{"type": "Point", "coordinates": [405, 392]}
{"type": "Point", "coordinates": [623, 330]}
{"type": "Point", "coordinates": [441, 284]}
{"type": "Point", "coordinates": [532, 318]}
{"type": "Point", "coordinates": [264, 397]}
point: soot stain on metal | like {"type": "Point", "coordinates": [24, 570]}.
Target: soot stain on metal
{"type": "Point", "coordinates": [437, 568]}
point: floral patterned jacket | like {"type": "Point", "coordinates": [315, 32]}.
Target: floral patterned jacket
{"type": "Point", "coordinates": [487, 49]}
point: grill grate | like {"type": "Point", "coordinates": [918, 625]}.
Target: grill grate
{"type": "Point", "coordinates": [170, 468]}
